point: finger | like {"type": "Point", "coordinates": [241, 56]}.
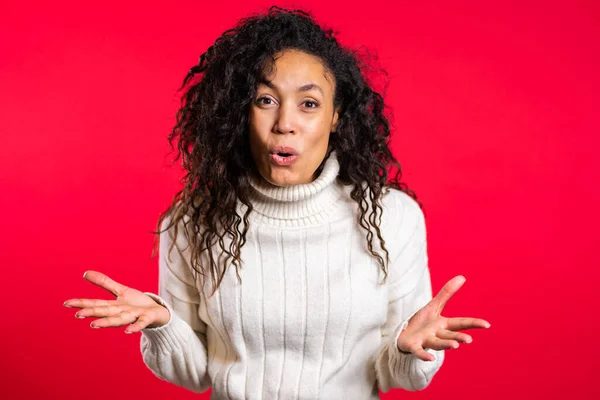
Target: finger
{"type": "Point", "coordinates": [103, 281]}
{"type": "Point", "coordinates": [126, 317]}
{"type": "Point", "coordinates": [422, 354]}
{"type": "Point", "coordinates": [142, 322]}
{"type": "Point", "coordinates": [440, 344]}
{"type": "Point", "coordinates": [458, 336]}
{"type": "Point", "coordinates": [447, 291]}
{"type": "Point", "coordinates": [102, 311]}
{"type": "Point", "coordinates": [456, 324]}
{"type": "Point", "coordinates": [84, 303]}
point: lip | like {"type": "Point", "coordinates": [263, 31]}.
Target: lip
{"type": "Point", "coordinates": [283, 149]}
{"type": "Point", "coordinates": [281, 160]}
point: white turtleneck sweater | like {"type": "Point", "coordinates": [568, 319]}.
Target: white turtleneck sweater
{"type": "Point", "coordinates": [310, 319]}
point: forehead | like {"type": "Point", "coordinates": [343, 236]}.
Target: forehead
{"type": "Point", "coordinates": [295, 68]}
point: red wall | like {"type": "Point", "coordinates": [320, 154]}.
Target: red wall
{"type": "Point", "coordinates": [496, 124]}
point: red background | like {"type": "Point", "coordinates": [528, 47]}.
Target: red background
{"type": "Point", "coordinates": [496, 126]}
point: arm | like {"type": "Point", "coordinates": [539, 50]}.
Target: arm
{"type": "Point", "coordinates": [409, 289]}
{"type": "Point", "coordinates": [177, 352]}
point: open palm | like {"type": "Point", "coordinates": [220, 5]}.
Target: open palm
{"type": "Point", "coordinates": [428, 329]}
{"type": "Point", "coordinates": [130, 306]}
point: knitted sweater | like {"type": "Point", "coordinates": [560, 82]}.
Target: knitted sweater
{"type": "Point", "coordinates": [311, 318]}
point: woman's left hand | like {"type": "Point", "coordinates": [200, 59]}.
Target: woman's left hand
{"type": "Point", "coordinates": [427, 329]}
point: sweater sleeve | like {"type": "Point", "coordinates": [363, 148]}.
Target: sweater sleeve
{"type": "Point", "coordinates": [177, 351]}
{"type": "Point", "coordinates": [409, 289]}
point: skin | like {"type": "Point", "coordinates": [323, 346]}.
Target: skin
{"type": "Point", "coordinates": [130, 306]}
{"type": "Point", "coordinates": [283, 114]}
{"type": "Point", "coordinates": [428, 329]}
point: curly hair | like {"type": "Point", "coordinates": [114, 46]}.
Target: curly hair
{"type": "Point", "coordinates": [213, 140]}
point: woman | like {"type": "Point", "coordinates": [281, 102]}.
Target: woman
{"type": "Point", "coordinates": [293, 268]}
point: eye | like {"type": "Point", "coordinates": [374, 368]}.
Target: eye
{"type": "Point", "coordinates": [259, 101]}
{"type": "Point", "coordinates": [314, 104]}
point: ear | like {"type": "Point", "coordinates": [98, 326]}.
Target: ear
{"type": "Point", "coordinates": [334, 122]}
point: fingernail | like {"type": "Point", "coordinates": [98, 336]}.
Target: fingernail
{"type": "Point", "coordinates": [66, 305]}
{"type": "Point", "coordinates": [93, 326]}
{"type": "Point", "coordinates": [84, 274]}
{"type": "Point", "coordinates": [79, 316]}
{"type": "Point", "coordinates": [488, 325]}
{"type": "Point", "coordinates": [128, 332]}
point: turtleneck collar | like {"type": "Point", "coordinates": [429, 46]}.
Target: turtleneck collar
{"type": "Point", "coordinates": [298, 205]}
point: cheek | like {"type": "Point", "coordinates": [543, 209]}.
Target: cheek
{"type": "Point", "coordinates": [259, 123]}
{"type": "Point", "coordinates": [319, 130]}
{"type": "Point", "coordinates": [254, 130]}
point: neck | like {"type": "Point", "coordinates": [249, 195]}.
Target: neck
{"type": "Point", "coordinates": [297, 205]}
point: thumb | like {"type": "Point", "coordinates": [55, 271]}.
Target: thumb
{"type": "Point", "coordinates": [447, 291]}
{"type": "Point", "coordinates": [101, 280]}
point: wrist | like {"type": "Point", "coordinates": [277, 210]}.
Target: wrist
{"type": "Point", "coordinates": [401, 350]}
{"type": "Point", "coordinates": [164, 316]}
{"type": "Point", "coordinates": [400, 347]}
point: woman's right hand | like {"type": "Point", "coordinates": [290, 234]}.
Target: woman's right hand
{"type": "Point", "coordinates": [130, 306]}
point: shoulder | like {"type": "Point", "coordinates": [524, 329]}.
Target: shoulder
{"type": "Point", "coordinates": [401, 207]}
{"type": "Point", "coordinates": [399, 211]}
{"type": "Point", "coordinates": [402, 216]}
{"type": "Point", "coordinates": [177, 231]}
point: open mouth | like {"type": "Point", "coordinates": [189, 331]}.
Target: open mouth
{"type": "Point", "coordinates": [283, 158]}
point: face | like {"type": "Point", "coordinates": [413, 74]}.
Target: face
{"type": "Point", "coordinates": [291, 118]}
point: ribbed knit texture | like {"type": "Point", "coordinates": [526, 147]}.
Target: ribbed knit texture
{"type": "Point", "coordinates": [310, 319]}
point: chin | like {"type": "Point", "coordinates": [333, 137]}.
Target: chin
{"type": "Point", "coordinates": [282, 177]}
{"type": "Point", "coordinates": [287, 181]}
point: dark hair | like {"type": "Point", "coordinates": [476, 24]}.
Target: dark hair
{"type": "Point", "coordinates": [212, 134]}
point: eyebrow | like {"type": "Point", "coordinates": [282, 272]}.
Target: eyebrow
{"type": "Point", "coordinates": [303, 88]}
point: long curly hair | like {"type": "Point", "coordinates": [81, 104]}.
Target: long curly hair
{"type": "Point", "coordinates": [212, 138]}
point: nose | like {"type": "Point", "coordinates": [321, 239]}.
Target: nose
{"type": "Point", "coordinates": [286, 120]}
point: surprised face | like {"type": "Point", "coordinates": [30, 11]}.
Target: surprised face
{"type": "Point", "coordinates": [291, 118]}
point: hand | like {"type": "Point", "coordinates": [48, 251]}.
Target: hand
{"type": "Point", "coordinates": [130, 307]}
{"type": "Point", "coordinates": [427, 329]}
